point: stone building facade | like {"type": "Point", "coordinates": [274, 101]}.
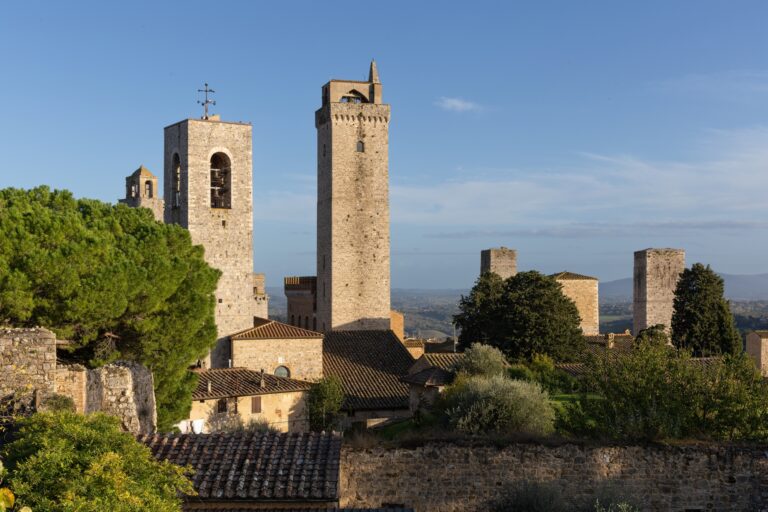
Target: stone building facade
{"type": "Point", "coordinates": [757, 349]}
{"type": "Point", "coordinates": [141, 192]}
{"type": "Point", "coordinates": [353, 254]}
{"type": "Point", "coordinates": [279, 348]}
{"type": "Point", "coordinates": [208, 190]}
{"type": "Point", "coordinates": [121, 389]}
{"type": "Point", "coordinates": [583, 291]}
{"type": "Point", "coordinates": [501, 261]}
{"type": "Point", "coordinates": [656, 272]}
{"type": "Point", "coordinates": [301, 293]}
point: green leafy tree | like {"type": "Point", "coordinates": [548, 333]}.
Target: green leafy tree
{"type": "Point", "coordinates": [656, 393]}
{"type": "Point", "coordinates": [325, 400]}
{"type": "Point", "coordinates": [482, 360]}
{"type": "Point", "coordinates": [526, 314]}
{"type": "Point", "coordinates": [65, 462]}
{"type": "Point", "coordinates": [702, 321]}
{"type": "Point", "coordinates": [112, 280]}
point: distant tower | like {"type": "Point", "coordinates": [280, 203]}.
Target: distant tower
{"type": "Point", "coordinates": [583, 291]}
{"type": "Point", "coordinates": [353, 279]}
{"type": "Point", "coordinates": [501, 261]}
{"type": "Point", "coordinates": [141, 191]}
{"type": "Point", "coordinates": [208, 190]}
{"type": "Point", "coordinates": [655, 279]}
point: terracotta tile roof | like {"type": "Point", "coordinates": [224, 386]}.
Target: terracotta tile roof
{"type": "Point", "coordinates": [572, 276]}
{"type": "Point", "coordinates": [762, 334]}
{"type": "Point", "coordinates": [227, 382]}
{"type": "Point", "coordinates": [264, 329]}
{"type": "Point", "coordinates": [369, 364]}
{"type": "Point", "coordinates": [444, 360]}
{"type": "Point", "coordinates": [431, 376]}
{"type": "Point", "coordinates": [266, 467]}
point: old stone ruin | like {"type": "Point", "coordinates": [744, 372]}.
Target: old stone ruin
{"type": "Point", "coordinates": [31, 373]}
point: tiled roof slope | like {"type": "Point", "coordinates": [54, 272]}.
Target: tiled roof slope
{"type": "Point", "coordinates": [432, 376]}
{"type": "Point", "coordinates": [264, 329]}
{"type": "Point", "coordinates": [580, 369]}
{"type": "Point", "coordinates": [255, 466]}
{"type": "Point", "coordinates": [227, 382]}
{"type": "Point", "coordinates": [572, 276]}
{"type": "Point", "coordinates": [369, 364]}
{"type": "Point", "coordinates": [386, 509]}
{"type": "Point", "coordinates": [444, 360]}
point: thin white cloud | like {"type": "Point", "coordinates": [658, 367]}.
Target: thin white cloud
{"type": "Point", "coordinates": [457, 105]}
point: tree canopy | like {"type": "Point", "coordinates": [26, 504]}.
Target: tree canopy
{"type": "Point", "coordinates": [526, 314]}
{"type": "Point", "coordinates": [112, 280]}
{"type": "Point", "coordinates": [66, 462]}
{"type": "Point", "coordinates": [702, 321]}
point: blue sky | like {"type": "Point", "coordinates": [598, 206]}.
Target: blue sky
{"type": "Point", "coordinates": [575, 132]}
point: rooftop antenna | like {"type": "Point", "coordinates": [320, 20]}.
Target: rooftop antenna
{"type": "Point", "coordinates": [207, 101]}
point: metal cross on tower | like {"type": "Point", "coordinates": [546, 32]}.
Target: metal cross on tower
{"type": "Point", "coordinates": [207, 101]}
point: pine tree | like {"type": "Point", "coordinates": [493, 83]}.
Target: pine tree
{"type": "Point", "coordinates": [702, 322]}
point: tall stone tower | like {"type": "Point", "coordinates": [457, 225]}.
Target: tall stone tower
{"type": "Point", "coordinates": [208, 190]}
{"type": "Point", "coordinates": [141, 192]}
{"type": "Point", "coordinates": [353, 280]}
{"type": "Point", "coordinates": [501, 261]}
{"type": "Point", "coordinates": [655, 278]}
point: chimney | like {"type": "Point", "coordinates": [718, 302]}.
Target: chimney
{"type": "Point", "coordinates": [229, 363]}
{"type": "Point", "coordinates": [261, 379]}
{"type": "Point", "coordinates": [609, 340]}
{"type": "Point", "coordinates": [209, 386]}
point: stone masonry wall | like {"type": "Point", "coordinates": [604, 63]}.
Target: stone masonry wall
{"type": "Point", "coordinates": [125, 390]}
{"type": "Point", "coordinates": [449, 478]}
{"type": "Point", "coordinates": [501, 261]}
{"type": "Point", "coordinates": [656, 272]}
{"type": "Point", "coordinates": [303, 357]}
{"type": "Point", "coordinates": [584, 293]}
{"type": "Point", "coordinates": [353, 245]}
{"type": "Point", "coordinates": [72, 381]}
{"type": "Point", "coordinates": [27, 361]}
{"type": "Point", "coordinates": [226, 233]}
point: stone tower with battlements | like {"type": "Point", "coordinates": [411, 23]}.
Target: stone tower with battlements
{"type": "Point", "coordinates": [656, 274]}
{"type": "Point", "coordinates": [353, 259]}
{"type": "Point", "coordinates": [501, 261]}
{"type": "Point", "coordinates": [208, 190]}
{"type": "Point", "coordinates": [141, 192]}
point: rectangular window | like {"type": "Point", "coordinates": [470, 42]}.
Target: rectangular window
{"type": "Point", "coordinates": [255, 405]}
{"type": "Point", "coordinates": [221, 406]}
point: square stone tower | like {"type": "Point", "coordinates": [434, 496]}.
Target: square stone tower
{"type": "Point", "coordinates": [141, 192]}
{"type": "Point", "coordinates": [353, 279]}
{"type": "Point", "coordinates": [501, 261]}
{"type": "Point", "coordinates": [208, 190]}
{"type": "Point", "coordinates": [583, 291]}
{"type": "Point", "coordinates": [655, 278]}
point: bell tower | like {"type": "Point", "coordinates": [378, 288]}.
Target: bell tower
{"type": "Point", "coordinates": [208, 190]}
{"type": "Point", "coordinates": [353, 256]}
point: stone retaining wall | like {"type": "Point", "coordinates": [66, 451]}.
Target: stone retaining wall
{"type": "Point", "coordinates": [448, 478]}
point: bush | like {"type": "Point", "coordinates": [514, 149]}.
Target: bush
{"type": "Point", "coordinates": [520, 372]}
{"type": "Point", "coordinates": [657, 393]}
{"type": "Point", "coordinates": [66, 462]}
{"type": "Point", "coordinates": [57, 403]}
{"type": "Point", "coordinates": [551, 379]}
{"type": "Point", "coordinates": [498, 405]}
{"type": "Point", "coordinates": [482, 360]}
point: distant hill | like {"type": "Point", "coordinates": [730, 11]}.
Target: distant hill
{"type": "Point", "coordinates": [737, 287]}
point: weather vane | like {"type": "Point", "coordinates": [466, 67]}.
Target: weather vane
{"type": "Point", "coordinates": [207, 101]}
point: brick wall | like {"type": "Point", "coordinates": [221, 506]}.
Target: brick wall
{"type": "Point", "coordinates": [449, 478]}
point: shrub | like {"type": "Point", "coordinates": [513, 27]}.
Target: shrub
{"type": "Point", "coordinates": [495, 404]}
{"type": "Point", "coordinates": [66, 462]}
{"type": "Point", "coordinates": [520, 372]}
{"type": "Point", "coordinates": [550, 378]}
{"type": "Point", "coordinates": [482, 360]}
{"type": "Point", "coordinates": [57, 403]}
